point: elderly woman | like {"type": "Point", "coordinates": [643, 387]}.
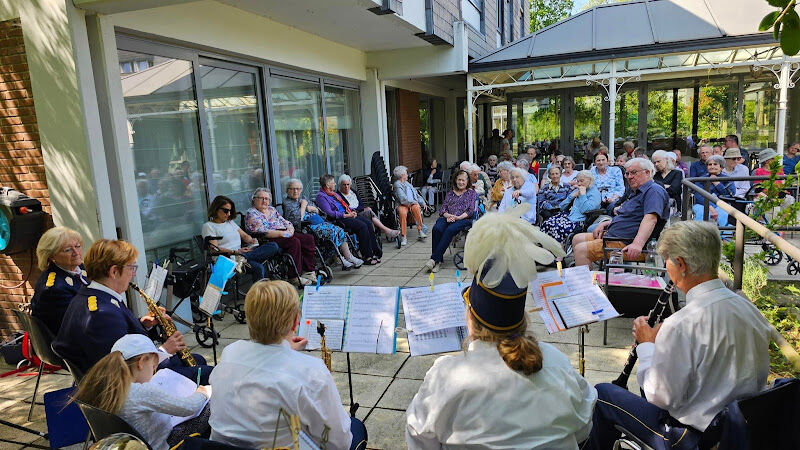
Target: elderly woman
{"type": "Point", "coordinates": [503, 182]}
{"type": "Point", "coordinates": [456, 214]}
{"type": "Point", "coordinates": [574, 207]}
{"type": "Point", "coordinates": [337, 210]}
{"type": "Point", "coordinates": [60, 258]}
{"type": "Point", "coordinates": [552, 193]}
{"type": "Point", "coordinates": [278, 377]}
{"type": "Point", "coordinates": [608, 179]}
{"type": "Point", "coordinates": [364, 211]}
{"type": "Point", "coordinates": [408, 200]}
{"type": "Point", "coordinates": [263, 218]}
{"type": "Point", "coordinates": [722, 188]}
{"type": "Point", "coordinates": [522, 191]}
{"type": "Point", "coordinates": [545, 403]}
{"type": "Point", "coordinates": [432, 176]}
{"type": "Point", "coordinates": [622, 158]}
{"type": "Point", "coordinates": [296, 209]}
{"type": "Point", "coordinates": [568, 174]}
{"type": "Point", "coordinates": [667, 176]}
{"type": "Point", "coordinates": [479, 181]}
{"type": "Point", "coordinates": [524, 162]}
{"type": "Point", "coordinates": [490, 168]}
{"type": "Point", "coordinates": [717, 332]}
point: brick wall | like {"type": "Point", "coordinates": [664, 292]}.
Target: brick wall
{"type": "Point", "coordinates": [408, 130]}
{"type": "Point", "coordinates": [21, 164]}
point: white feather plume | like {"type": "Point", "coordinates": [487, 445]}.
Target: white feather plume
{"type": "Point", "coordinates": [510, 243]}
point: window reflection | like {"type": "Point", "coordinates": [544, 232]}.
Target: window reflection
{"type": "Point", "coordinates": [540, 123]}
{"type": "Point", "coordinates": [344, 137]}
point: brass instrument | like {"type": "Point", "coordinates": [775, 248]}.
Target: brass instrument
{"type": "Point", "coordinates": [166, 324]}
{"type": "Point", "coordinates": [323, 348]}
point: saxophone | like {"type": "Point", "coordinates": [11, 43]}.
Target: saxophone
{"type": "Point", "coordinates": [323, 348]}
{"type": "Point", "coordinates": [166, 324]}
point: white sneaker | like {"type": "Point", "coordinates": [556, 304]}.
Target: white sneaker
{"type": "Point", "coordinates": [346, 264]}
{"type": "Point", "coordinates": [403, 241]}
{"type": "Point", "coordinates": [310, 276]}
{"type": "Point", "coordinates": [422, 234]}
{"type": "Point", "coordinates": [430, 265]}
{"type": "Point", "coordinates": [356, 262]}
{"type": "Point", "coordinates": [436, 267]}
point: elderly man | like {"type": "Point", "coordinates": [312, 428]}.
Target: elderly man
{"type": "Point", "coordinates": [636, 218]}
{"type": "Point", "coordinates": [698, 168]}
{"type": "Point", "coordinates": [791, 158]}
{"type": "Point", "coordinates": [680, 164]}
{"type": "Point", "coordinates": [732, 141]}
{"type": "Point", "coordinates": [735, 168]}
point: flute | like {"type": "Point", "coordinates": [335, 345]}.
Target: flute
{"type": "Point", "coordinates": [653, 318]}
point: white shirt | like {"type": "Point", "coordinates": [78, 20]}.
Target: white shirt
{"type": "Point", "coordinates": [567, 178]}
{"type": "Point", "coordinates": [709, 353]}
{"type": "Point", "coordinates": [252, 382]}
{"type": "Point", "coordinates": [739, 171]}
{"type": "Point", "coordinates": [474, 400]}
{"type": "Point", "coordinates": [107, 290]}
{"type": "Point", "coordinates": [229, 232]}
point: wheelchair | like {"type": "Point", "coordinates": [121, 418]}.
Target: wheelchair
{"type": "Point", "coordinates": [381, 204]}
{"type": "Point", "coordinates": [326, 253]}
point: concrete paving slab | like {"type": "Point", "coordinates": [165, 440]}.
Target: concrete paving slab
{"type": "Point", "coordinates": [235, 331]}
{"type": "Point", "coordinates": [377, 280]}
{"type": "Point", "coordinates": [399, 394]}
{"type": "Point", "coordinates": [385, 270]}
{"type": "Point", "coordinates": [368, 364]}
{"type": "Point", "coordinates": [417, 366]}
{"type": "Point", "coordinates": [367, 389]}
{"type": "Point", "coordinates": [207, 353]}
{"type": "Point", "coordinates": [386, 429]}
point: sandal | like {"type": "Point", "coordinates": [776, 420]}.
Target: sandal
{"type": "Point", "coordinates": [371, 261]}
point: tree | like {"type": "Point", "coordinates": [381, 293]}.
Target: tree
{"type": "Point", "coordinates": [785, 24]}
{"type": "Point", "coordinates": [547, 12]}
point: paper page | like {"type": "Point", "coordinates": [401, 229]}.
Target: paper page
{"type": "Point", "coordinates": [334, 329]}
{"type": "Point", "coordinates": [210, 300]}
{"type": "Point", "coordinates": [329, 302]}
{"type": "Point", "coordinates": [178, 386]}
{"type": "Point", "coordinates": [575, 310]}
{"type": "Point", "coordinates": [427, 310]}
{"type": "Point", "coordinates": [439, 341]}
{"type": "Point", "coordinates": [577, 281]}
{"type": "Point", "coordinates": [631, 280]}
{"type": "Point", "coordinates": [155, 282]}
{"type": "Point", "coordinates": [371, 320]}
{"type": "Point", "coordinates": [305, 442]}
{"type": "Point", "coordinates": [554, 290]}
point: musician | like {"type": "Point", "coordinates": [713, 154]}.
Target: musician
{"type": "Point", "coordinates": [98, 315]}
{"type": "Point", "coordinates": [257, 378]}
{"type": "Point", "coordinates": [709, 353]}
{"type": "Point", "coordinates": [60, 258]}
{"type": "Point", "coordinates": [506, 390]}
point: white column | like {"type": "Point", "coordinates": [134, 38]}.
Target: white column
{"type": "Point", "coordinates": [780, 126]}
{"type": "Point", "coordinates": [373, 117]}
{"type": "Point", "coordinates": [612, 106]}
{"type": "Point", "coordinates": [470, 120]}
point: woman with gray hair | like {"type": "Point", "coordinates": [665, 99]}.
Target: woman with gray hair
{"type": "Point", "coordinates": [584, 198]}
{"type": "Point", "coordinates": [722, 188]}
{"type": "Point", "coordinates": [503, 182]}
{"type": "Point", "coordinates": [569, 173]}
{"type": "Point", "coordinates": [667, 176]}
{"type": "Point", "coordinates": [521, 191]}
{"type": "Point", "coordinates": [408, 201]}
{"type": "Point", "coordinates": [709, 353]}
{"type": "Point", "coordinates": [364, 211]}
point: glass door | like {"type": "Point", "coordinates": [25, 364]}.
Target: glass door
{"type": "Point", "coordinates": [587, 116]}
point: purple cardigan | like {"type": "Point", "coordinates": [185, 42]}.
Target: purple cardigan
{"type": "Point", "coordinates": [327, 204]}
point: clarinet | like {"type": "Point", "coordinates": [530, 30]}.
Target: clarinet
{"type": "Point", "coordinates": [653, 318]}
{"type": "Point", "coordinates": [166, 324]}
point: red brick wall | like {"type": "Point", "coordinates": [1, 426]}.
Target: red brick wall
{"type": "Point", "coordinates": [21, 164]}
{"type": "Point", "coordinates": [408, 130]}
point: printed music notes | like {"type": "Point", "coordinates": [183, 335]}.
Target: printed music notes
{"type": "Point", "coordinates": [329, 302]}
{"type": "Point", "coordinates": [334, 331]}
{"type": "Point", "coordinates": [426, 311]}
{"type": "Point", "coordinates": [439, 341]}
{"type": "Point", "coordinates": [563, 302]}
{"type": "Point", "coordinates": [575, 310]}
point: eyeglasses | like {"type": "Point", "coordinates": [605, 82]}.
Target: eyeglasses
{"type": "Point", "coordinates": [632, 173]}
{"type": "Point", "coordinates": [288, 189]}
{"type": "Point", "coordinates": [267, 198]}
{"type": "Point", "coordinates": [133, 267]}
{"type": "Point", "coordinates": [225, 210]}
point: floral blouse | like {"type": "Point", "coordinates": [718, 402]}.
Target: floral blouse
{"type": "Point", "coordinates": [257, 222]}
{"type": "Point", "coordinates": [459, 204]}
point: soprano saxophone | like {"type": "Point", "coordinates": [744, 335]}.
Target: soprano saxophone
{"type": "Point", "coordinates": [166, 324]}
{"type": "Point", "coordinates": [323, 347]}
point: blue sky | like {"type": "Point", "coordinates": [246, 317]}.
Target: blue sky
{"type": "Point", "coordinates": [577, 6]}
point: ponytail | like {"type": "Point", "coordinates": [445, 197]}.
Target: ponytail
{"type": "Point", "coordinates": [107, 383]}
{"type": "Point", "coordinates": [520, 351]}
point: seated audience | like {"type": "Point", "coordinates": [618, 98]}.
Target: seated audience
{"type": "Point", "coordinates": [543, 402]}
{"type": "Point", "coordinates": [667, 176]}
{"type": "Point", "coordinates": [628, 148]}
{"type": "Point", "coordinates": [765, 159]}
{"type": "Point", "coordinates": [521, 191]}
{"type": "Point", "coordinates": [552, 193]}
{"type": "Point", "coordinates": [620, 161]}
{"type": "Point", "coordinates": [222, 213]}
{"type": "Point", "coordinates": [524, 163]}
{"type": "Point", "coordinates": [607, 179]}
{"type": "Point", "coordinates": [584, 198]}
{"type": "Point", "coordinates": [433, 177]}
{"type": "Point", "coordinates": [98, 315]}
{"type": "Point", "coordinates": [257, 378]}
{"type": "Point", "coordinates": [639, 152]}
{"type": "Point", "coordinates": [60, 258]}
{"type": "Point", "coordinates": [569, 173]}
{"type": "Point", "coordinates": [734, 168]}
{"type": "Point", "coordinates": [490, 168]}
{"type": "Point", "coordinates": [336, 208]}
{"type": "Point", "coordinates": [709, 353]}
{"type": "Point", "coordinates": [120, 384]}
{"type": "Point", "coordinates": [533, 167]}
{"type": "Point", "coordinates": [636, 218]}
{"type": "Point", "coordinates": [364, 211]}
{"type": "Point", "coordinates": [456, 214]}
{"type": "Point", "coordinates": [296, 209]}
{"type": "Point", "coordinates": [791, 159]}
{"type": "Point", "coordinates": [408, 200]}
{"type": "Point", "coordinates": [503, 182]}
{"type": "Point", "coordinates": [265, 219]}
{"type": "Point", "coordinates": [680, 165]}
{"type": "Point", "coordinates": [478, 180]}
{"type": "Point", "coordinates": [698, 168]}
{"type": "Point", "coordinates": [721, 188]}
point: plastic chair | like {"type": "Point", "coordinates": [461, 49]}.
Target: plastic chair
{"type": "Point", "coordinates": [73, 369]}
{"type": "Point", "coordinates": [103, 423]}
{"type": "Point", "coordinates": [41, 339]}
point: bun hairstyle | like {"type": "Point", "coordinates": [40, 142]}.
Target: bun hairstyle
{"type": "Point", "coordinates": [520, 351]}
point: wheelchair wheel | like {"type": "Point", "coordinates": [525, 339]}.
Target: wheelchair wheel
{"type": "Point", "coordinates": [772, 255]}
{"type": "Point", "coordinates": [326, 273]}
{"type": "Point", "coordinates": [793, 268]}
{"type": "Point", "coordinates": [238, 314]}
{"type": "Point", "coordinates": [427, 212]}
{"type": "Point", "coordinates": [458, 260]}
{"type": "Point", "coordinates": [398, 241]}
{"type": "Point", "coordinates": [205, 337]}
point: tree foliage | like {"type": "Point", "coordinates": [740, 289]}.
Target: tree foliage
{"type": "Point", "coordinates": [785, 25]}
{"type": "Point", "coordinates": [547, 12]}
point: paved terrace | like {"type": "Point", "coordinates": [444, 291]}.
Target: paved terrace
{"type": "Point", "coordinates": [382, 384]}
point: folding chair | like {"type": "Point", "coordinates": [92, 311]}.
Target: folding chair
{"type": "Point", "coordinates": [103, 423]}
{"type": "Point", "coordinates": [41, 339]}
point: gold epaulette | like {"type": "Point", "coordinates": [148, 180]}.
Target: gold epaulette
{"type": "Point", "coordinates": [51, 279]}
{"type": "Point", "coordinates": [92, 303]}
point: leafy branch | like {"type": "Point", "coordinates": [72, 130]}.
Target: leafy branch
{"type": "Point", "coordinates": [785, 25]}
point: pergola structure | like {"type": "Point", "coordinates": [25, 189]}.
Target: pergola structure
{"type": "Point", "coordinates": [637, 41]}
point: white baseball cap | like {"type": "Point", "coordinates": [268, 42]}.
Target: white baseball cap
{"type": "Point", "coordinates": [132, 345]}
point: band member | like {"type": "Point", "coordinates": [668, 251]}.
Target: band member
{"type": "Point", "coordinates": [98, 315]}
{"type": "Point", "coordinates": [257, 378]}
{"type": "Point", "coordinates": [506, 390]}
{"type": "Point", "coordinates": [706, 355]}
{"type": "Point", "coordinates": [60, 257]}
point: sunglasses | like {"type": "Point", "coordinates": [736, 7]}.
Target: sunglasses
{"type": "Point", "coordinates": [225, 210]}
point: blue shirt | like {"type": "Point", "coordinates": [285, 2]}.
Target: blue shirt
{"type": "Point", "coordinates": [527, 195]}
{"type": "Point", "coordinates": [650, 198]}
{"type": "Point", "coordinates": [582, 204]}
{"type": "Point", "coordinates": [790, 163]}
{"type": "Point", "coordinates": [610, 183]}
{"type": "Point", "coordinates": [722, 189]}
{"type": "Point", "coordinates": [698, 169]}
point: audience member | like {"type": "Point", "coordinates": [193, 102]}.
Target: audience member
{"type": "Point", "coordinates": [584, 198]}
{"type": "Point", "coordinates": [607, 179]}
{"type": "Point", "coordinates": [622, 158]}
{"type": "Point", "coordinates": [680, 164]}
{"type": "Point", "coordinates": [551, 194]}
{"type": "Point", "coordinates": [640, 153]}
{"type": "Point", "coordinates": [503, 182]}
{"type": "Point", "coordinates": [735, 168]}
{"type": "Point", "coordinates": [521, 191]}
{"type": "Point", "coordinates": [627, 147]}
{"type": "Point", "coordinates": [479, 180]}
{"type": "Point", "coordinates": [667, 176]}
{"type": "Point", "coordinates": [791, 159]}
{"type": "Point", "coordinates": [533, 168]}
{"type": "Point", "coordinates": [364, 211]}
{"type": "Point", "coordinates": [569, 173]}
{"type": "Point", "coordinates": [505, 146]}
{"type": "Point", "coordinates": [718, 150]}
{"type": "Point", "coordinates": [698, 168]}
{"type": "Point", "coordinates": [455, 215]}
{"type": "Point", "coordinates": [337, 210]}
{"type": "Point", "coordinates": [720, 188]}
{"type": "Point", "coordinates": [408, 200]}
{"type": "Point", "coordinates": [491, 168]}
{"type": "Point", "coordinates": [433, 178]}
{"type": "Point", "coordinates": [524, 163]}
{"type": "Point", "coordinates": [732, 142]}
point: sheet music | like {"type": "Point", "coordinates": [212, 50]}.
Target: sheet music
{"type": "Point", "coordinates": [155, 282]}
{"type": "Point", "coordinates": [179, 386]}
{"type": "Point", "coordinates": [577, 281]}
{"type": "Point", "coordinates": [334, 329]}
{"type": "Point", "coordinates": [426, 311]}
{"type": "Point", "coordinates": [329, 302]}
{"type": "Point", "coordinates": [439, 341]}
{"type": "Point", "coordinates": [575, 310]}
{"type": "Point", "coordinates": [305, 442]}
{"type": "Point", "coordinates": [371, 320]}
{"type": "Point", "coordinates": [210, 300]}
